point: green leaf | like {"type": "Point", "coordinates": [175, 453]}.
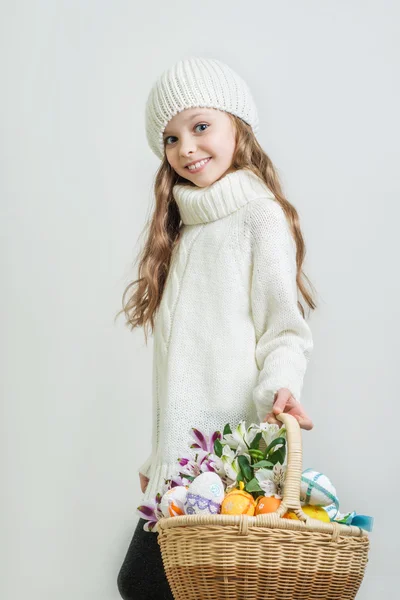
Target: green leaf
{"type": "Point", "coordinates": [282, 454]}
{"type": "Point", "coordinates": [263, 464]}
{"type": "Point", "coordinates": [190, 477]}
{"type": "Point", "coordinates": [279, 440]}
{"type": "Point", "coordinates": [256, 454]}
{"type": "Point", "coordinates": [218, 448]}
{"type": "Point", "coordinates": [245, 468]}
{"type": "Point", "coordinates": [253, 486]}
{"type": "Point", "coordinates": [239, 477]}
{"type": "Point", "coordinates": [278, 456]}
{"type": "Point", "coordinates": [227, 429]}
{"type": "Point", "coordinates": [255, 443]}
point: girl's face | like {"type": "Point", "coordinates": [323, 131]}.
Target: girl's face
{"type": "Point", "coordinates": [195, 134]}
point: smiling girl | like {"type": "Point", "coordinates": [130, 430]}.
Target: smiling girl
{"type": "Point", "coordinates": [219, 279]}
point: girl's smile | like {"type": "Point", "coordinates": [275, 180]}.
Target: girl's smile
{"type": "Point", "coordinates": [198, 166]}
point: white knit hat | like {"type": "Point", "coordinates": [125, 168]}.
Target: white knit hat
{"type": "Point", "coordinates": [196, 82]}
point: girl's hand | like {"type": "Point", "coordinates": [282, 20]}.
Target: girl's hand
{"type": "Point", "coordinates": [285, 402]}
{"type": "Point", "coordinates": [144, 481]}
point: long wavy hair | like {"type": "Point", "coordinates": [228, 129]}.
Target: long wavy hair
{"type": "Point", "coordinates": [142, 296]}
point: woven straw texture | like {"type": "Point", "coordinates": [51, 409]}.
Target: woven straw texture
{"type": "Point", "coordinates": [223, 557]}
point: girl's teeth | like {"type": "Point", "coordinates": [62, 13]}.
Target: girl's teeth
{"type": "Point", "coordinates": [197, 165]}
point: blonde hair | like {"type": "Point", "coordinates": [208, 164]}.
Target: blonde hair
{"type": "Point", "coordinates": [164, 228]}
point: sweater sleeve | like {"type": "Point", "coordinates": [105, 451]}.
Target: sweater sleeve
{"type": "Point", "coordinates": [145, 467]}
{"type": "Point", "coordinates": [283, 338]}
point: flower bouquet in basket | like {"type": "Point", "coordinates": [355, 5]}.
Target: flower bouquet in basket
{"type": "Point", "coordinates": [239, 519]}
{"type": "Point", "coordinates": [241, 472]}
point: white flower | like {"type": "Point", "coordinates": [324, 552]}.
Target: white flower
{"type": "Point", "coordinates": [279, 473]}
{"type": "Point", "coordinates": [228, 453]}
{"type": "Point", "coordinates": [272, 480]}
{"type": "Point", "coordinates": [265, 478]}
{"type": "Point", "coordinates": [240, 438]}
{"type": "Point", "coordinates": [217, 464]}
{"type": "Point", "coordinates": [269, 431]}
{"type": "Point", "coordinates": [230, 462]}
{"type": "Point", "coordinates": [231, 486]}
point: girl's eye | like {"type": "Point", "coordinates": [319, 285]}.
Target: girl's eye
{"type": "Point", "coordinates": [171, 136]}
{"type": "Point", "coordinates": [201, 125]}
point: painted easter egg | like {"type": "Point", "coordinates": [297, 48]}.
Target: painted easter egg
{"type": "Point", "coordinates": [267, 504]}
{"type": "Point", "coordinates": [333, 511]}
{"type": "Point", "coordinates": [205, 495]}
{"type": "Point", "coordinates": [172, 502]}
{"type": "Point", "coordinates": [238, 502]}
{"type": "Point", "coordinates": [315, 512]}
{"type": "Point", "coordinates": [316, 489]}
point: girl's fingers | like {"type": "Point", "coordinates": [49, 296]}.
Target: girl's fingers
{"type": "Point", "coordinates": [270, 418]}
{"type": "Point", "coordinates": [286, 402]}
{"type": "Point", "coordinates": [307, 424]}
{"type": "Point", "coordinates": [303, 420]}
{"type": "Point", "coordinates": [281, 401]}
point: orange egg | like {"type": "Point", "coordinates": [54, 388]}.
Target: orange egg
{"type": "Point", "coordinates": [267, 504]}
{"type": "Point", "coordinates": [315, 512]}
{"type": "Point", "coordinates": [238, 502]}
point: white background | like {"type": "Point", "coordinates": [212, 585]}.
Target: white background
{"type": "Point", "coordinates": [76, 189]}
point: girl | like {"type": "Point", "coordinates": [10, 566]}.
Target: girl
{"type": "Point", "coordinates": [218, 283]}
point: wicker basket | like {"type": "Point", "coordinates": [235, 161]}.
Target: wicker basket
{"type": "Point", "coordinates": [223, 557]}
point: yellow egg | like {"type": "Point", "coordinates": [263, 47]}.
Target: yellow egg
{"type": "Point", "coordinates": [315, 512]}
{"type": "Point", "coordinates": [238, 502]}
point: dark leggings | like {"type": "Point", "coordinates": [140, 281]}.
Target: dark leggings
{"type": "Point", "coordinates": [142, 575]}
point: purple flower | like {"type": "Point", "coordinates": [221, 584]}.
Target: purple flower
{"type": "Point", "coordinates": [209, 463]}
{"type": "Point", "coordinates": [151, 512]}
{"type": "Point", "coordinates": [188, 467]}
{"type": "Point", "coordinates": [204, 442]}
{"type": "Point", "coordinates": [179, 480]}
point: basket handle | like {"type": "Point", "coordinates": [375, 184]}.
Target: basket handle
{"type": "Point", "coordinates": [291, 494]}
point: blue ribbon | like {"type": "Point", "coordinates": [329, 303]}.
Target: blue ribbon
{"type": "Point", "coordinates": [363, 521]}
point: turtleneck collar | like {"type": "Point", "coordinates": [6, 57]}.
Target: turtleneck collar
{"type": "Point", "coordinates": [221, 198]}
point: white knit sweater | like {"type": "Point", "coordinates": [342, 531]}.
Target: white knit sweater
{"type": "Point", "coordinates": [228, 332]}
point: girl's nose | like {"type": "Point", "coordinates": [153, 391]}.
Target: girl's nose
{"type": "Point", "coordinates": [187, 147]}
{"type": "Point", "coordinates": [186, 152]}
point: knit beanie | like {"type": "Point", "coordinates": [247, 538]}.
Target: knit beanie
{"type": "Point", "coordinates": [196, 82]}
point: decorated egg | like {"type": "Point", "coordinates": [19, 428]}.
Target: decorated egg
{"type": "Point", "coordinates": [333, 511]}
{"type": "Point", "coordinates": [317, 490]}
{"type": "Point", "coordinates": [204, 495]}
{"type": "Point", "coordinates": [315, 512]}
{"type": "Point", "coordinates": [172, 502]}
{"type": "Point", "coordinates": [267, 504]}
{"type": "Point", "coordinates": [238, 502]}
